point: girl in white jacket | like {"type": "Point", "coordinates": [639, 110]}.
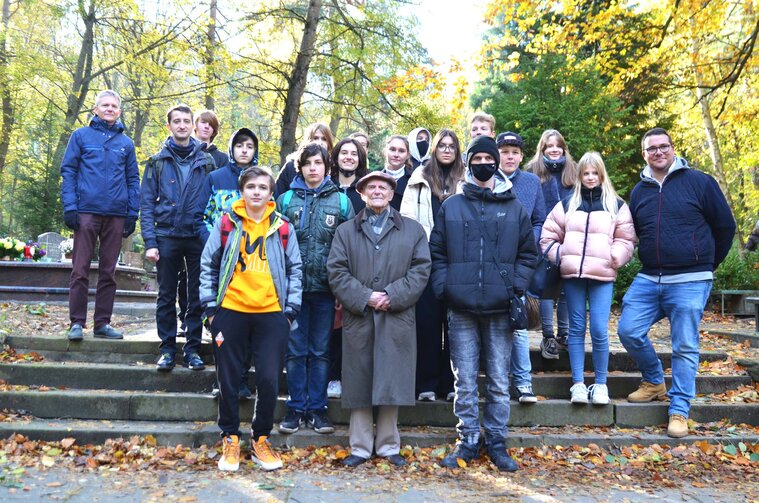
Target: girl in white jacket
{"type": "Point", "coordinates": [595, 230]}
{"type": "Point", "coordinates": [429, 185]}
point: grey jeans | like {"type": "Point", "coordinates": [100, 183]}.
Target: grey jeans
{"type": "Point", "coordinates": [472, 336]}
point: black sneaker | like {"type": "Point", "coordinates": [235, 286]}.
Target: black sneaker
{"type": "Point", "coordinates": [548, 348]}
{"type": "Point", "coordinates": [464, 451]}
{"type": "Point", "coordinates": [244, 393]}
{"type": "Point", "coordinates": [318, 420]}
{"type": "Point", "coordinates": [500, 457]}
{"type": "Point", "coordinates": [194, 362]}
{"type": "Point", "coordinates": [526, 395]}
{"type": "Point", "coordinates": [108, 332]}
{"type": "Point", "coordinates": [75, 332]}
{"type": "Point", "coordinates": [165, 362]}
{"type": "Point", "coordinates": [561, 343]}
{"type": "Point", "coordinates": [292, 421]}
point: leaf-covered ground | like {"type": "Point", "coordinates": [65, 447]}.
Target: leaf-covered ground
{"type": "Point", "coordinates": [549, 472]}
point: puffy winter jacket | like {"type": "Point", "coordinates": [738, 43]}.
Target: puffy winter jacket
{"type": "Point", "coordinates": [315, 214]}
{"type": "Point", "coordinates": [684, 225]}
{"type": "Point", "coordinates": [99, 171]}
{"type": "Point", "coordinates": [464, 272]}
{"type": "Point", "coordinates": [593, 244]}
{"type": "Point", "coordinates": [417, 201]}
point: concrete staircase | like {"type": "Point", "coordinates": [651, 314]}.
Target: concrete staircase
{"type": "Point", "coordinates": [99, 389]}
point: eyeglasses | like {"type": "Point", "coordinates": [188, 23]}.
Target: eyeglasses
{"type": "Point", "coordinates": [661, 148]}
{"type": "Point", "coordinates": [446, 148]}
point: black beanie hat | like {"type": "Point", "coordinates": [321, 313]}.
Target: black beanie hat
{"type": "Point", "coordinates": [482, 144]}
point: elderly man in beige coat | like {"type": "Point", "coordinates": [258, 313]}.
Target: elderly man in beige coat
{"type": "Point", "coordinates": [378, 267]}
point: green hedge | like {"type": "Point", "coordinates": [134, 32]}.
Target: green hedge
{"type": "Point", "coordinates": [737, 272]}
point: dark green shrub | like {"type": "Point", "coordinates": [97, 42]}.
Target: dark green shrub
{"type": "Point", "coordinates": [625, 277]}
{"type": "Point", "coordinates": [738, 272]}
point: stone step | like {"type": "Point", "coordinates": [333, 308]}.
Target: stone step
{"type": "Point", "coordinates": [143, 406]}
{"type": "Point", "coordinates": [146, 351]}
{"type": "Point", "coordinates": [145, 377]}
{"type": "Point", "coordinates": [195, 434]}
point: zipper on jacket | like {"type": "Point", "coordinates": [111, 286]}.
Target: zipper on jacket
{"type": "Point", "coordinates": [482, 242]}
{"type": "Point", "coordinates": [658, 232]}
{"type": "Point", "coordinates": [585, 241]}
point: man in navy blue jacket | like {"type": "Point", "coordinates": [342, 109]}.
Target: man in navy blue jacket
{"type": "Point", "coordinates": [170, 209]}
{"type": "Point", "coordinates": [685, 229]}
{"type": "Point", "coordinates": [100, 193]}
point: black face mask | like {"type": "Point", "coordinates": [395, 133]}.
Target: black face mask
{"type": "Point", "coordinates": [347, 173]}
{"type": "Point", "coordinates": [483, 172]}
{"type": "Point", "coordinates": [424, 147]}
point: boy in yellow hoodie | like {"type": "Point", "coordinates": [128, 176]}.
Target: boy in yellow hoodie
{"type": "Point", "coordinates": [250, 289]}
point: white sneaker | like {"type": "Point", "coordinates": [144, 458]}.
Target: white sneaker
{"type": "Point", "coordinates": [427, 396]}
{"type": "Point", "coordinates": [579, 393]}
{"type": "Point", "coordinates": [450, 396]}
{"type": "Point", "coordinates": [599, 394]}
{"type": "Point", "coordinates": [334, 389]}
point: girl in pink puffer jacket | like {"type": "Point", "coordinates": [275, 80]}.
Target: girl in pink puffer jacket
{"type": "Point", "coordinates": [595, 230]}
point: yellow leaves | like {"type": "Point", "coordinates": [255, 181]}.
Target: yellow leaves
{"type": "Point", "coordinates": [461, 463]}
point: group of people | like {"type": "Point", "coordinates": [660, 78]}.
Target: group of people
{"type": "Point", "coordinates": [388, 286]}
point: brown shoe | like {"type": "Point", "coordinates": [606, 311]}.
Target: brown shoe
{"type": "Point", "coordinates": [647, 392]}
{"type": "Point", "coordinates": [678, 426]}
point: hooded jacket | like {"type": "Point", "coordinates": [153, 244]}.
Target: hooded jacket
{"type": "Point", "coordinates": [99, 171]}
{"type": "Point", "coordinates": [684, 224]}
{"type": "Point", "coordinates": [593, 244]}
{"type": "Point", "coordinates": [223, 188]}
{"type": "Point", "coordinates": [417, 157]}
{"type": "Point", "coordinates": [315, 214]}
{"type": "Point", "coordinates": [217, 265]}
{"type": "Point", "coordinates": [464, 271]}
{"type": "Point", "coordinates": [169, 208]}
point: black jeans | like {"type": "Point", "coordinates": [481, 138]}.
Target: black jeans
{"type": "Point", "coordinates": [174, 253]}
{"type": "Point", "coordinates": [265, 336]}
{"type": "Point", "coordinates": [433, 355]}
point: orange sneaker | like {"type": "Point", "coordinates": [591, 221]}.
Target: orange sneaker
{"type": "Point", "coordinates": [264, 455]}
{"type": "Point", "coordinates": [230, 457]}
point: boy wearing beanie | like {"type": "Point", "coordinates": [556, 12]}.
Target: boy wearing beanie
{"type": "Point", "coordinates": [483, 254]}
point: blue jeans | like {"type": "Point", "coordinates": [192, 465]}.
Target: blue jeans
{"type": "Point", "coordinates": [546, 316]}
{"type": "Point", "coordinates": [307, 359]}
{"type": "Point", "coordinates": [520, 358]}
{"type": "Point", "coordinates": [647, 302]}
{"type": "Point", "coordinates": [469, 335]}
{"type": "Point", "coordinates": [597, 294]}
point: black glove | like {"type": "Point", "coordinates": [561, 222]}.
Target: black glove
{"type": "Point", "coordinates": [129, 225]}
{"type": "Point", "coordinates": [71, 218]}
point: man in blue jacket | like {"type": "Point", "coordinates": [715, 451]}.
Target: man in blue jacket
{"type": "Point", "coordinates": [685, 229]}
{"type": "Point", "coordinates": [100, 193]}
{"type": "Point", "coordinates": [171, 208]}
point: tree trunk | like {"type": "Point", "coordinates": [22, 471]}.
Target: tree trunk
{"type": "Point", "coordinates": [209, 56]}
{"type": "Point", "coordinates": [5, 92]}
{"type": "Point", "coordinates": [297, 80]}
{"type": "Point", "coordinates": [81, 81]}
{"type": "Point", "coordinates": [711, 134]}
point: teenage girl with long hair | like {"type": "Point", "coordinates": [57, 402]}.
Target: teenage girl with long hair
{"type": "Point", "coordinates": [594, 229]}
{"type": "Point", "coordinates": [557, 171]}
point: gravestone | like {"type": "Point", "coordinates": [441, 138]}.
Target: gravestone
{"type": "Point", "coordinates": [51, 242]}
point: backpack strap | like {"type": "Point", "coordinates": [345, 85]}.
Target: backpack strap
{"type": "Point", "coordinates": [210, 163]}
{"type": "Point", "coordinates": [226, 228]}
{"type": "Point", "coordinates": [286, 198]}
{"type": "Point", "coordinates": [344, 203]}
{"type": "Point", "coordinates": [284, 235]}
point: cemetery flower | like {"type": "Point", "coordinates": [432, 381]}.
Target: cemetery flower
{"type": "Point", "coordinates": [11, 248]}
{"type": "Point", "coordinates": [67, 246]}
